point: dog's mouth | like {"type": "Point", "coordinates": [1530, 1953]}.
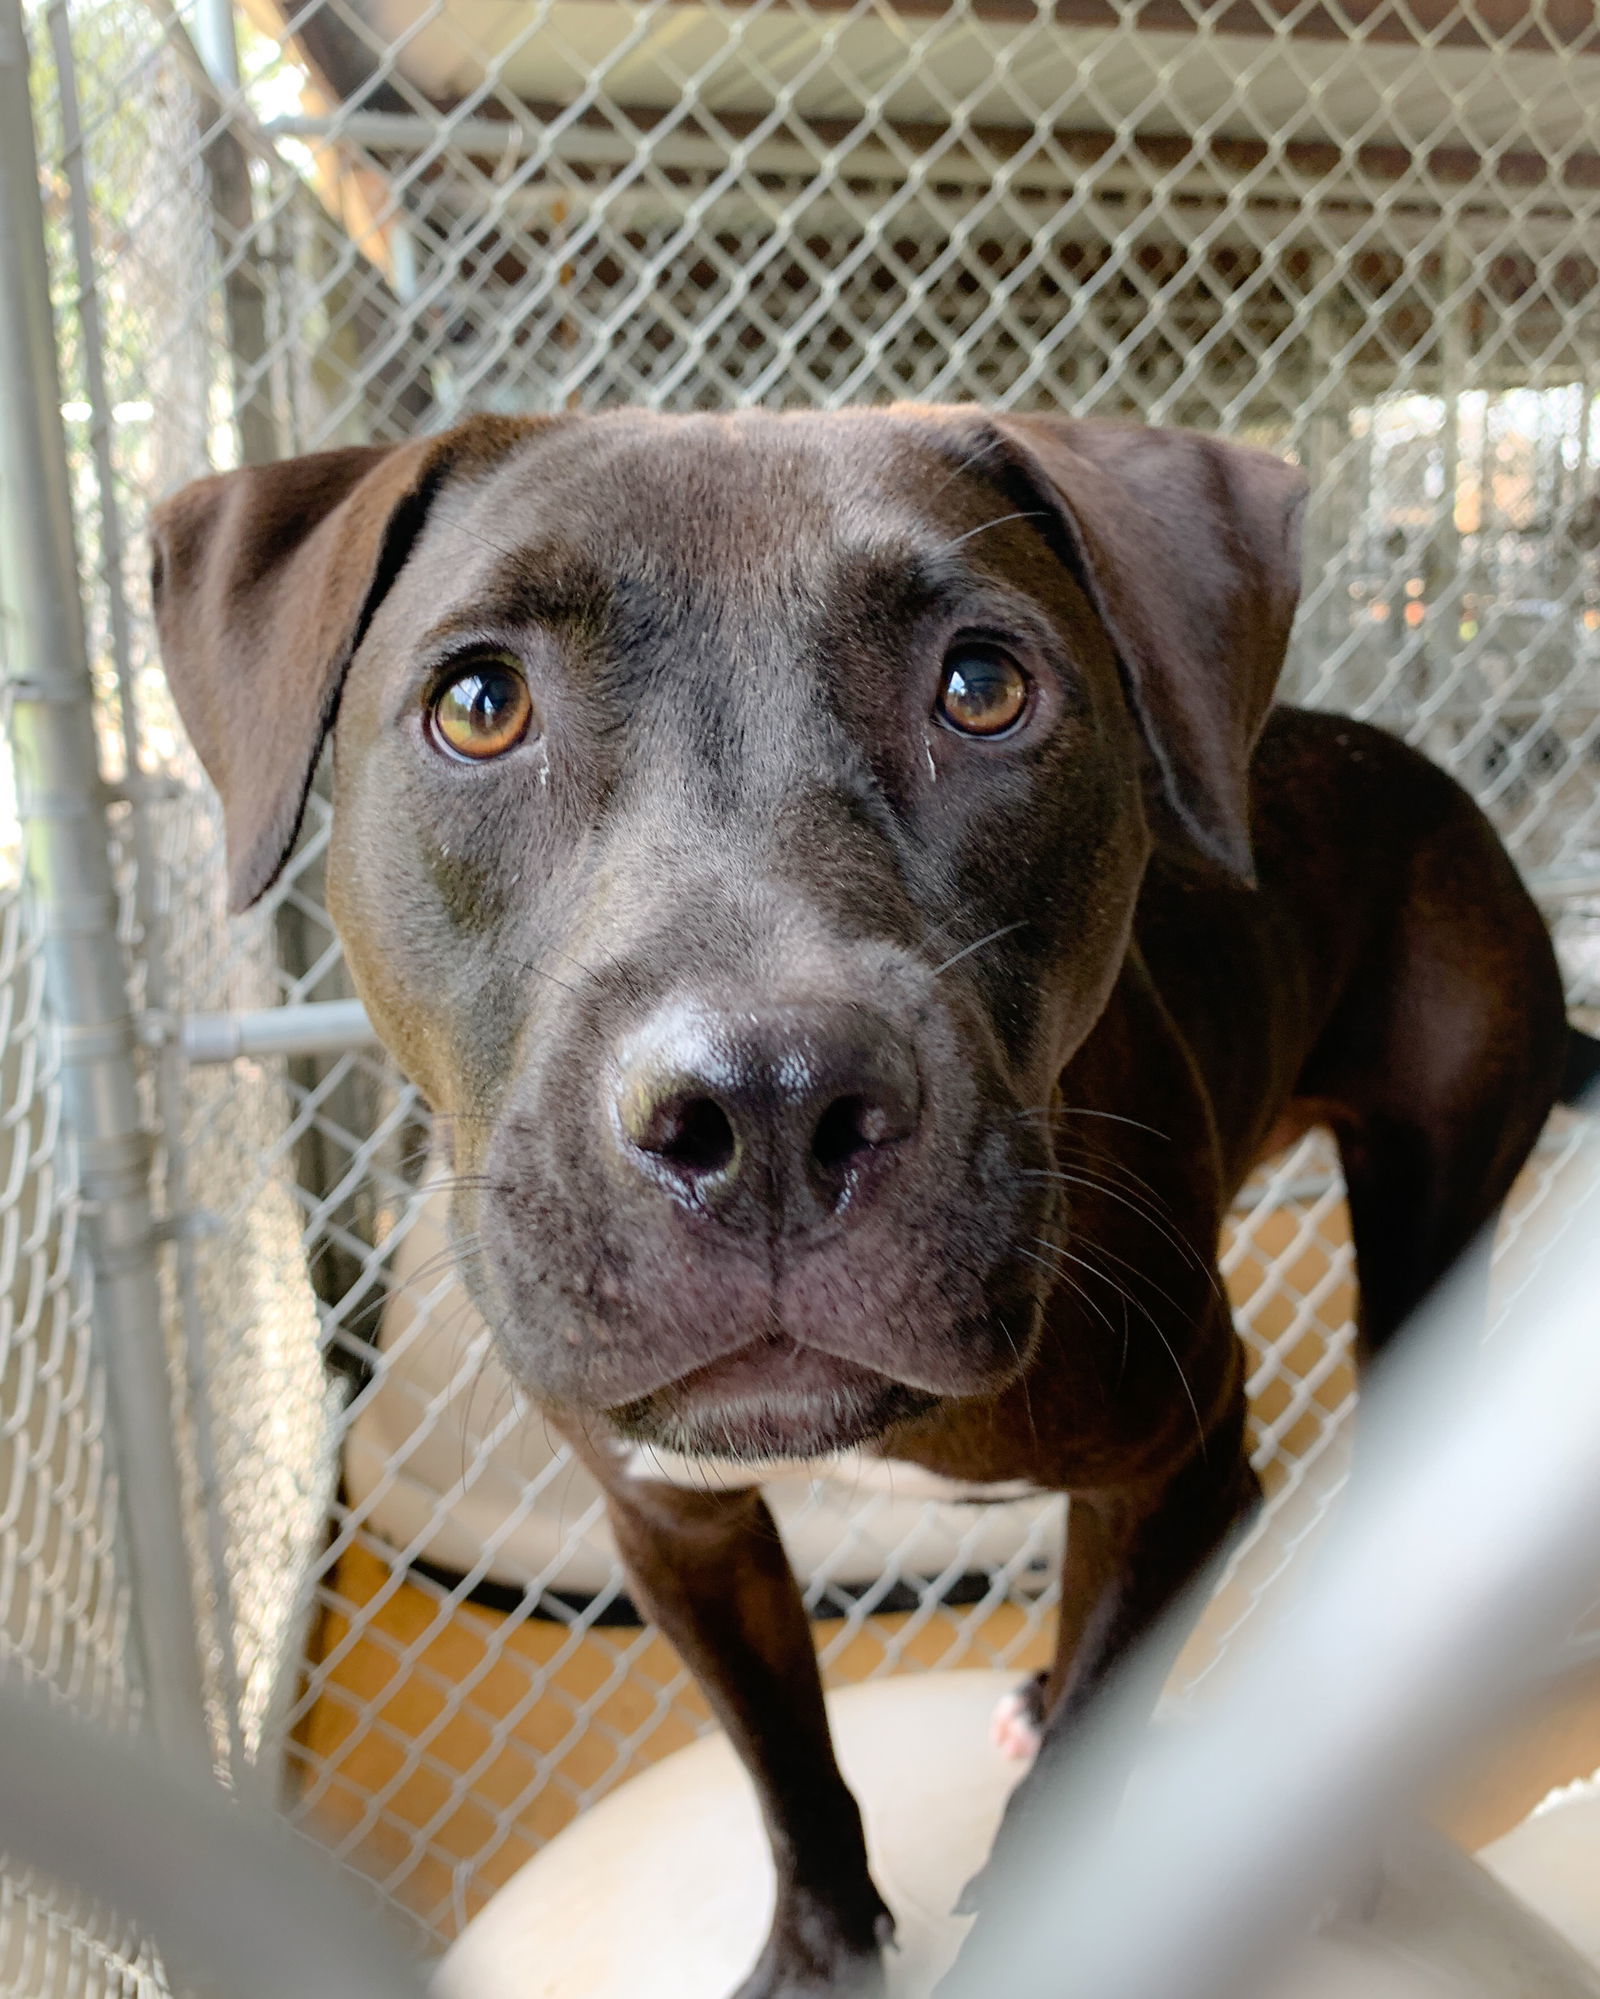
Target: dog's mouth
{"type": "Point", "coordinates": [772, 1399]}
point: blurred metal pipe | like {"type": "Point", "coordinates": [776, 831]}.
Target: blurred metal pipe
{"type": "Point", "coordinates": [228, 1894]}
{"type": "Point", "coordinates": [168, 1077]}
{"type": "Point", "coordinates": [217, 44]}
{"type": "Point", "coordinates": [1461, 1555]}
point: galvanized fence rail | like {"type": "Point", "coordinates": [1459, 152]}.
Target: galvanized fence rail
{"type": "Point", "coordinates": [1369, 241]}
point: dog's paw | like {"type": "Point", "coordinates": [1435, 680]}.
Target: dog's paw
{"type": "Point", "coordinates": [1016, 1727]}
{"type": "Point", "coordinates": [860, 1978]}
{"type": "Point", "coordinates": [810, 1959]}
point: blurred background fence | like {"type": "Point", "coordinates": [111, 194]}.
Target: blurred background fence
{"type": "Point", "coordinates": [1365, 235]}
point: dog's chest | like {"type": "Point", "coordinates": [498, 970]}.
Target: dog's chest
{"type": "Point", "coordinates": [861, 1469]}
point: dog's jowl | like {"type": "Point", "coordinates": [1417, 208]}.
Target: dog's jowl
{"type": "Point", "coordinates": [844, 889]}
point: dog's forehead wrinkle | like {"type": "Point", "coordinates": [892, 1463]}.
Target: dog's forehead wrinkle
{"type": "Point", "coordinates": [697, 489]}
{"type": "Point", "coordinates": [752, 490]}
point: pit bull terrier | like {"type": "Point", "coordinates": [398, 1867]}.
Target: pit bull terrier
{"type": "Point", "coordinates": [844, 888]}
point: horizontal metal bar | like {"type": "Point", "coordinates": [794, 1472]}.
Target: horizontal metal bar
{"type": "Point", "coordinates": [1103, 217]}
{"type": "Point", "coordinates": [845, 146]}
{"type": "Point", "coordinates": [485, 138]}
{"type": "Point", "coordinates": [1072, 169]}
{"type": "Point", "coordinates": [1310, 1187]}
{"type": "Point", "coordinates": [1569, 705]}
{"type": "Point", "coordinates": [341, 1027]}
{"type": "Point", "coordinates": [1298, 1193]}
{"type": "Point", "coordinates": [315, 1027]}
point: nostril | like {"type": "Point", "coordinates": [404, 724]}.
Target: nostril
{"type": "Point", "coordinates": [691, 1133]}
{"type": "Point", "coordinates": [853, 1125]}
{"type": "Point", "coordinates": [841, 1133]}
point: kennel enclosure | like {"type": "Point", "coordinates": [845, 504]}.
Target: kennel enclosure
{"type": "Point", "coordinates": [1365, 236]}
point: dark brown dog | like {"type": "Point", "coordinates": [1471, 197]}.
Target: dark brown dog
{"type": "Point", "coordinates": [839, 883]}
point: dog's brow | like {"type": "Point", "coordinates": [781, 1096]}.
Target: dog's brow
{"type": "Point", "coordinates": [928, 577]}
{"type": "Point", "coordinates": [559, 599]}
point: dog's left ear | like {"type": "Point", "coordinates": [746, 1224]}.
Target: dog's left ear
{"type": "Point", "coordinates": [263, 581]}
{"type": "Point", "coordinates": [1189, 549]}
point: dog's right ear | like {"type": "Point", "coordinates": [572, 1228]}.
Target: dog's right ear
{"type": "Point", "coordinates": [264, 582]}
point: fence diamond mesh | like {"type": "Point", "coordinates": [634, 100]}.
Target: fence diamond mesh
{"type": "Point", "coordinates": [1364, 238]}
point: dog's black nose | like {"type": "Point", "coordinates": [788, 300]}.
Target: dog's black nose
{"type": "Point", "coordinates": [770, 1119]}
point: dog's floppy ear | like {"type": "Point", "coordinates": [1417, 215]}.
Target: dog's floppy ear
{"type": "Point", "coordinates": [1189, 549]}
{"type": "Point", "coordinates": [264, 581]}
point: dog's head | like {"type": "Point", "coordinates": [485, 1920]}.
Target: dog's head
{"type": "Point", "coordinates": [738, 825]}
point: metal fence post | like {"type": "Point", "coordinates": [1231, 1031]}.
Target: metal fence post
{"type": "Point", "coordinates": [61, 802]}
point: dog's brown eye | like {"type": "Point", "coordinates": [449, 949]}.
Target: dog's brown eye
{"type": "Point", "coordinates": [484, 711]}
{"type": "Point", "coordinates": [985, 692]}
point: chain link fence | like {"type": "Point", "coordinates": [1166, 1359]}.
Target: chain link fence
{"type": "Point", "coordinates": [1365, 238]}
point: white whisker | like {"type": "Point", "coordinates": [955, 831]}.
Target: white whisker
{"type": "Point", "coordinates": [999, 521]}
{"type": "Point", "coordinates": [967, 950]}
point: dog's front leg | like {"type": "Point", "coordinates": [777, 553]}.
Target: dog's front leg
{"type": "Point", "coordinates": [709, 1569]}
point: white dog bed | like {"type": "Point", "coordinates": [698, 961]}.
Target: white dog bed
{"type": "Point", "coordinates": [664, 1889]}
